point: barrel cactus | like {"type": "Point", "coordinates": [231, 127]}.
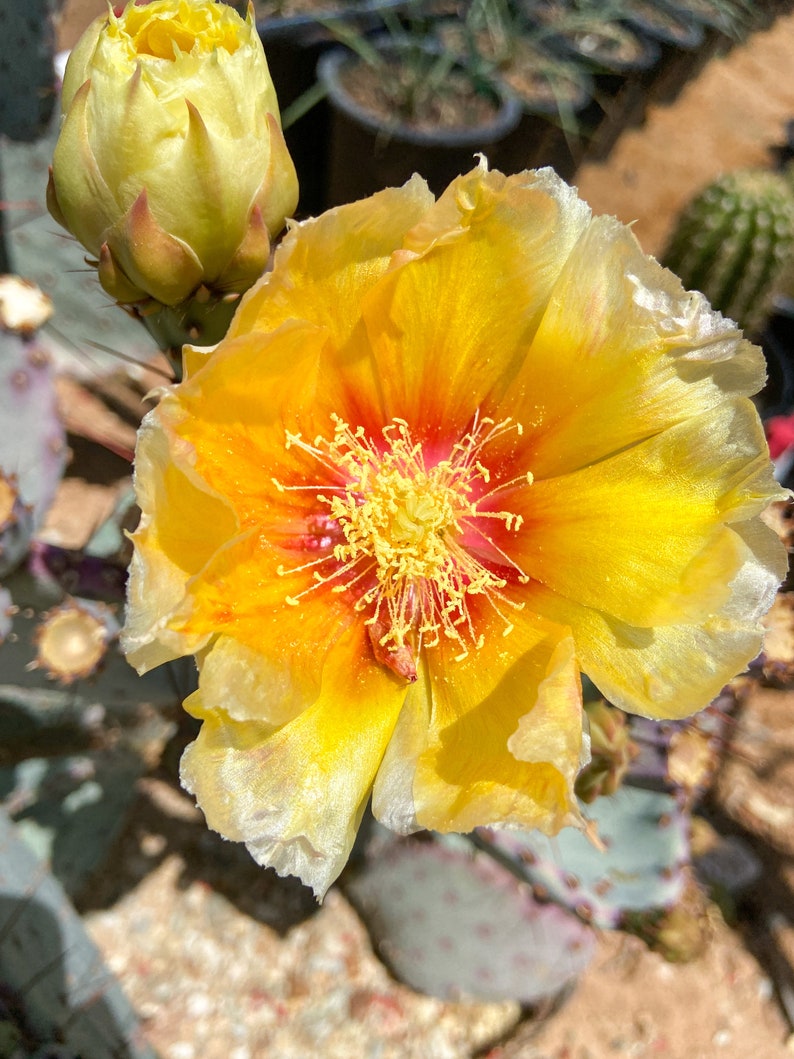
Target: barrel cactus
{"type": "Point", "coordinates": [735, 243]}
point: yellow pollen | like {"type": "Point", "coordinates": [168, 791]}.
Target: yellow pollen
{"type": "Point", "coordinates": [401, 527]}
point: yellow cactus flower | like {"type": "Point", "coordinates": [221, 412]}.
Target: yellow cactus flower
{"type": "Point", "coordinates": [449, 455]}
{"type": "Point", "coordinates": [171, 167]}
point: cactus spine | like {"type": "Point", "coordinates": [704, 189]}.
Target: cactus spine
{"type": "Point", "coordinates": [735, 241]}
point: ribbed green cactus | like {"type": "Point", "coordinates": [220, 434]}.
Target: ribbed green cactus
{"type": "Point", "coordinates": [735, 241]}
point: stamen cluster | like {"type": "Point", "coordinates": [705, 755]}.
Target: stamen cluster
{"type": "Point", "coordinates": [403, 532]}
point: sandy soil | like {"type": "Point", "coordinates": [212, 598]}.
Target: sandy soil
{"type": "Point", "coordinates": [725, 119]}
{"type": "Point", "coordinates": [224, 960]}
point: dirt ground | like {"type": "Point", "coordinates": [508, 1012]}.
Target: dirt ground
{"type": "Point", "coordinates": [225, 961]}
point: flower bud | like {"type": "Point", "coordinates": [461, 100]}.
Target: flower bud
{"type": "Point", "coordinates": [611, 748]}
{"type": "Point", "coordinates": [171, 167]}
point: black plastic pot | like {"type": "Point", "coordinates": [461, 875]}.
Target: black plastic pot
{"type": "Point", "coordinates": [308, 27]}
{"type": "Point", "coordinates": [559, 112]}
{"type": "Point", "coordinates": [293, 46]}
{"type": "Point", "coordinates": [725, 29]}
{"type": "Point", "coordinates": [367, 154]}
{"type": "Point", "coordinates": [619, 79]}
{"type": "Point", "coordinates": [681, 44]}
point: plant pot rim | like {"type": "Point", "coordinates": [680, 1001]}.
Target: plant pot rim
{"type": "Point", "coordinates": [607, 64]}
{"type": "Point", "coordinates": [578, 78]}
{"type": "Point", "coordinates": [507, 117]}
{"type": "Point", "coordinates": [284, 26]}
{"type": "Point", "coordinates": [712, 19]}
{"type": "Point", "coordinates": [692, 39]}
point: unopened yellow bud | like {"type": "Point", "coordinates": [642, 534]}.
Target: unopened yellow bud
{"type": "Point", "coordinates": [171, 167]}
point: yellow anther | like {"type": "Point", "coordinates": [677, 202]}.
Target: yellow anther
{"type": "Point", "coordinates": [400, 526]}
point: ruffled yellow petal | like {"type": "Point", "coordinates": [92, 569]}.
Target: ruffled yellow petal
{"type": "Point", "coordinates": [441, 349]}
{"type": "Point", "coordinates": [266, 600]}
{"type": "Point", "coordinates": [295, 795]}
{"type": "Point", "coordinates": [393, 792]}
{"type": "Point", "coordinates": [324, 265]}
{"type": "Point", "coordinates": [622, 353]}
{"type": "Point", "coordinates": [480, 195]}
{"type": "Point", "coordinates": [671, 671]}
{"type": "Point", "coordinates": [641, 535]}
{"type": "Point", "coordinates": [496, 737]}
{"type": "Point", "coordinates": [182, 524]}
{"type": "Point", "coordinates": [238, 431]}
{"type": "Point", "coordinates": [257, 685]}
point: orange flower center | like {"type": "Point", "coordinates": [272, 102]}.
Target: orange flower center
{"type": "Point", "coordinates": [403, 535]}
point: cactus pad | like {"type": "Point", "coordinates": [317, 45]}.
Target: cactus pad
{"type": "Point", "coordinates": [51, 971]}
{"type": "Point", "coordinates": [27, 75]}
{"type": "Point", "coordinates": [452, 923]}
{"type": "Point", "coordinates": [641, 869]}
{"type": "Point", "coordinates": [32, 442]}
{"type": "Point", "coordinates": [70, 809]}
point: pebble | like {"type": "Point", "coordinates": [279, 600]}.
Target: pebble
{"type": "Point", "coordinates": [181, 1050]}
{"type": "Point", "coordinates": [199, 1004]}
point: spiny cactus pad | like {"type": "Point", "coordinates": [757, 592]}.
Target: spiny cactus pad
{"type": "Point", "coordinates": [27, 77]}
{"type": "Point", "coordinates": [735, 242]}
{"type": "Point", "coordinates": [32, 441]}
{"type": "Point", "coordinates": [51, 969]}
{"type": "Point", "coordinates": [640, 870]}
{"type": "Point", "coordinates": [16, 524]}
{"type": "Point", "coordinates": [70, 809]}
{"type": "Point", "coordinates": [112, 705]}
{"type": "Point", "coordinates": [453, 923]}
{"type": "Point", "coordinates": [6, 613]}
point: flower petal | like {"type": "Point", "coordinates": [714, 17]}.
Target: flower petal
{"type": "Point", "coordinates": [89, 205]}
{"type": "Point", "coordinates": [255, 685]}
{"type": "Point", "coordinates": [238, 431]}
{"type": "Point", "coordinates": [620, 330]}
{"type": "Point", "coordinates": [648, 524]}
{"type": "Point", "coordinates": [150, 257]}
{"type": "Point", "coordinates": [673, 670]}
{"type": "Point", "coordinates": [182, 524]}
{"type": "Point", "coordinates": [479, 192]}
{"type": "Point", "coordinates": [250, 592]}
{"type": "Point", "coordinates": [440, 347]}
{"type": "Point", "coordinates": [502, 742]}
{"type": "Point", "coordinates": [393, 793]}
{"type": "Point", "coordinates": [295, 795]}
{"type": "Point", "coordinates": [325, 264]}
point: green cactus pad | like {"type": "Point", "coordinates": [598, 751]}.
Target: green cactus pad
{"type": "Point", "coordinates": [111, 706]}
{"type": "Point", "coordinates": [27, 75]}
{"type": "Point", "coordinates": [70, 809]}
{"type": "Point", "coordinates": [51, 969]}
